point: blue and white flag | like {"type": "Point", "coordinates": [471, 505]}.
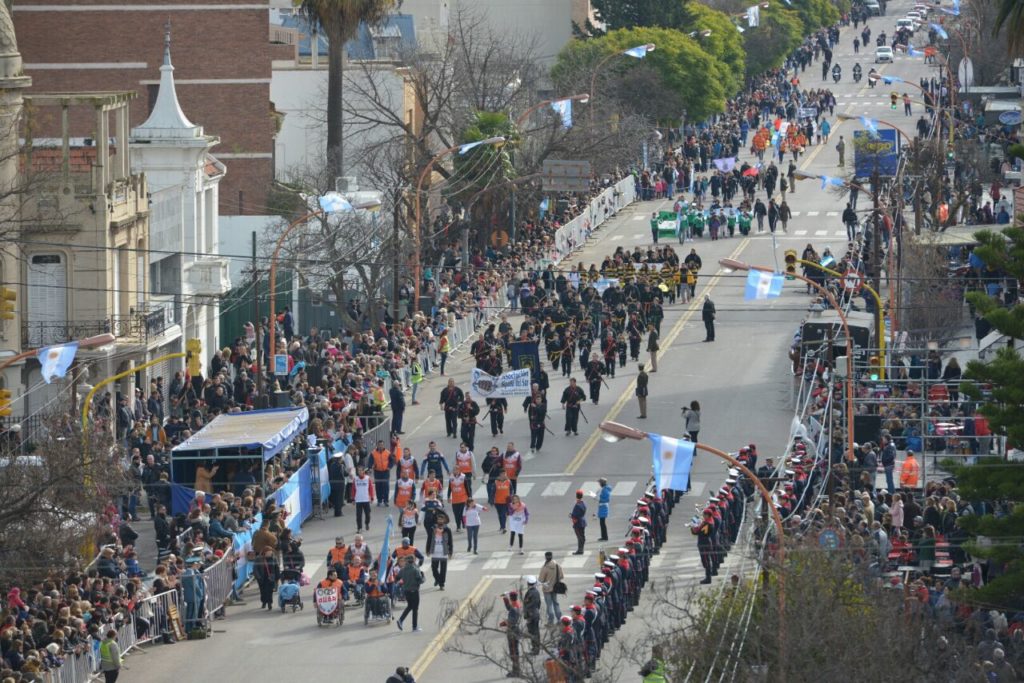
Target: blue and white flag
{"type": "Point", "coordinates": [913, 51]}
{"type": "Point", "coordinates": [762, 285]}
{"type": "Point", "coordinates": [941, 32]}
{"type": "Point", "coordinates": [889, 80]}
{"type": "Point", "coordinates": [564, 109]}
{"type": "Point", "coordinates": [827, 180]}
{"type": "Point", "coordinates": [753, 16]}
{"type": "Point", "coordinates": [333, 202]}
{"type": "Point", "coordinates": [295, 368]}
{"type": "Point", "coordinates": [725, 165]}
{"type": "Point", "coordinates": [640, 51]}
{"type": "Point", "coordinates": [55, 360]}
{"type": "Point", "coordinates": [384, 551]}
{"type": "Point", "coordinates": [469, 145]}
{"type": "Point", "coordinates": [870, 125]}
{"type": "Point", "coordinates": [672, 459]}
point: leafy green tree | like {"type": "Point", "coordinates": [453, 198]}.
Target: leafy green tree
{"type": "Point", "coordinates": [484, 168]}
{"type": "Point", "coordinates": [781, 31]}
{"type": "Point", "coordinates": [616, 14]}
{"type": "Point", "coordinates": [687, 72]}
{"type": "Point", "coordinates": [994, 478]}
{"type": "Point", "coordinates": [815, 14]}
{"type": "Point", "coordinates": [339, 20]}
{"type": "Point", "coordinates": [724, 44]}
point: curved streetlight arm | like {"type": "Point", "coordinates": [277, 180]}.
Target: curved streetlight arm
{"type": "Point", "coordinates": [732, 264]}
{"type": "Point", "coordinates": [626, 432]}
{"type": "Point", "coordinates": [597, 70]}
{"type": "Point", "coordinates": [301, 220]}
{"type": "Point", "coordinates": [582, 97]}
{"type": "Point", "coordinates": [87, 343]}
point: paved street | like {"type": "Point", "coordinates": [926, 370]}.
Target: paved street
{"type": "Point", "coordinates": [742, 381]}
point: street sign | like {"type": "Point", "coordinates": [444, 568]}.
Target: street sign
{"type": "Point", "coordinates": [563, 175]}
{"type": "Point", "coordinates": [853, 281]}
{"type": "Point", "coordinates": [1010, 118]}
{"type": "Point", "coordinates": [879, 150]}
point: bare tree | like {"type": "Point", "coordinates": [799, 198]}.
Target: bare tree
{"type": "Point", "coordinates": [53, 492]}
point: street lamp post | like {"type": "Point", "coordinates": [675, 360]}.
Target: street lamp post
{"type": "Point", "coordinates": [418, 213]}
{"type": "Point", "coordinates": [732, 264]}
{"type": "Point", "coordinates": [582, 98]}
{"type": "Point", "coordinates": [621, 431]}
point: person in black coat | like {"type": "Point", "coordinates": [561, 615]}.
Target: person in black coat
{"type": "Point", "coordinates": [336, 477]}
{"type": "Point", "coordinates": [397, 399]}
{"type": "Point", "coordinates": [708, 315]}
{"type": "Point", "coordinates": [267, 574]}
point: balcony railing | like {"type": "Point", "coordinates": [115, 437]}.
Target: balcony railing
{"type": "Point", "coordinates": [133, 326]}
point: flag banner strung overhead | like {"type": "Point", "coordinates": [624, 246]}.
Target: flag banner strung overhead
{"type": "Point", "coordinates": [671, 459]}
{"type": "Point", "coordinates": [763, 285]}
{"type": "Point", "coordinates": [507, 385]}
{"type": "Point", "coordinates": [55, 360]}
{"type": "Point", "coordinates": [640, 51]}
{"type": "Point", "coordinates": [333, 202]}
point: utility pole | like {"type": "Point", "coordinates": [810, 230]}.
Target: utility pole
{"type": "Point", "coordinates": [396, 265]}
{"type": "Point", "coordinates": [257, 323]}
{"type": "Point", "coordinates": [876, 238]}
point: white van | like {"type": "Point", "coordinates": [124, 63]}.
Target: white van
{"type": "Point", "coordinates": [907, 24]}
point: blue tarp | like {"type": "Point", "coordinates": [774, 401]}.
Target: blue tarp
{"type": "Point", "coordinates": [269, 430]}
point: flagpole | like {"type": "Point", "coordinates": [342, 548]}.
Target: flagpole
{"type": "Point", "coordinates": [622, 431]}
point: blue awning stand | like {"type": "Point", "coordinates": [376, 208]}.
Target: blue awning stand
{"type": "Point", "coordinates": [269, 430]}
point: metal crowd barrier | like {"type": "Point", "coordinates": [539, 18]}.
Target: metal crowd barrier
{"type": "Point", "coordinates": [382, 432]}
{"type": "Point", "coordinates": [218, 580]}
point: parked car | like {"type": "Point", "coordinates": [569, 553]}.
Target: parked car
{"type": "Point", "coordinates": [883, 54]}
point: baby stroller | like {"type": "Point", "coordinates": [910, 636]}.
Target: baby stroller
{"type": "Point", "coordinates": [377, 604]}
{"type": "Point", "coordinates": [288, 592]}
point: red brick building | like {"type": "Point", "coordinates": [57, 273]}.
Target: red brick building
{"type": "Point", "coordinates": [222, 71]}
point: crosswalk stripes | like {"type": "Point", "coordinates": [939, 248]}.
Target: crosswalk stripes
{"type": "Point", "coordinates": [811, 214]}
{"type": "Point", "coordinates": [832, 214]}
{"type": "Point", "coordinates": [615, 238]}
{"type": "Point", "coordinates": [795, 213]}
{"type": "Point", "coordinates": [638, 218]}
{"type": "Point", "coordinates": [799, 233]}
{"type": "Point", "coordinates": [623, 488]}
{"type": "Point", "coordinates": [556, 488]}
{"type": "Point", "coordinates": [820, 233]}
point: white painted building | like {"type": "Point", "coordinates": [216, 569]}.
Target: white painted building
{"type": "Point", "coordinates": [186, 274]}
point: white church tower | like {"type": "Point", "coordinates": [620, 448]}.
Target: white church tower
{"type": "Point", "coordinates": [185, 270]}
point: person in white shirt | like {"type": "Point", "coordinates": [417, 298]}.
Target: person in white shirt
{"type": "Point", "coordinates": [363, 497]}
{"type": "Point", "coordinates": [471, 520]}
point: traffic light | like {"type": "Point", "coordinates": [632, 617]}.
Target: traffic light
{"type": "Point", "coordinates": [874, 363]}
{"type": "Point", "coordinates": [7, 299]}
{"type": "Point", "coordinates": [194, 356]}
{"type": "Point", "coordinates": [892, 100]}
{"type": "Point", "coordinates": [5, 402]}
{"type": "Point", "coordinates": [791, 263]}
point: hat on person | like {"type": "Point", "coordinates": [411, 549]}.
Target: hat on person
{"type": "Point", "coordinates": [576, 608]}
{"type": "Point", "coordinates": [608, 563]}
{"type": "Point", "coordinates": [530, 580]}
{"type": "Point", "coordinates": [566, 619]}
{"type": "Point", "coordinates": [53, 648]}
{"type": "Point", "coordinates": [599, 575]}
{"type": "Point", "coordinates": [193, 559]}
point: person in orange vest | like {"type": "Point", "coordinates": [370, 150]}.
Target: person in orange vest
{"type": "Point", "coordinates": [409, 520]}
{"type": "Point", "coordinates": [383, 461]}
{"type": "Point", "coordinates": [502, 494]}
{"type": "Point", "coordinates": [407, 465]}
{"type": "Point", "coordinates": [405, 491]}
{"type": "Point", "coordinates": [407, 549]}
{"type": "Point", "coordinates": [465, 462]}
{"type": "Point", "coordinates": [336, 555]}
{"type": "Point", "coordinates": [355, 578]}
{"type": "Point", "coordinates": [457, 496]}
{"type": "Point", "coordinates": [430, 484]}
{"type": "Point", "coordinates": [910, 472]}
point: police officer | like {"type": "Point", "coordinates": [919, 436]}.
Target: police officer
{"type": "Point", "coordinates": [571, 399]}
{"type": "Point", "coordinates": [579, 521]}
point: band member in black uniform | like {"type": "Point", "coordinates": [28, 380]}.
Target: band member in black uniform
{"type": "Point", "coordinates": [451, 401]}
{"type": "Point", "coordinates": [536, 414]}
{"type": "Point", "coordinates": [496, 409]}
{"type": "Point", "coordinates": [608, 349]}
{"type": "Point", "coordinates": [571, 399]}
{"type": "Point", "coordinates": [467, 413]}
{"type": "Point", "coordinates": [595, 369]}
{"type": "Point", "coordinates": [635, 331]}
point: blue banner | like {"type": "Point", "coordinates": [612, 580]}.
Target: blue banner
{"type": "Point", "coordinates": [385, 549]}
{"type": "Point", "coordinates": [879, 149]}
{"type": "Point", "coordinates": [526, 355]}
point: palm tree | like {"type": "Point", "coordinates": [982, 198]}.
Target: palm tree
{"type": "Point", "coordinates": [339, 20]}
{"type": "Point", "coordinates": [1011, 18]}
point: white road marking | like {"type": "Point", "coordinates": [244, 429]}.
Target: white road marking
{"type": "Point", "coordinates": [460, 564]}
{"type": "Point", "coordinates": [638, 218]}
{"type": "Point", "coordinates": [498, 561]}
{"type": "Point", "coordinates": [799, 232]}
{"type": "Point", "coordinates": [811, 214]}
{"type": "Point", "coordinates": [795, 214]}
{"type": "Point", "coordinates": [623, 488]}
{"type": "Point", "coordinates": [832, 214]}
{"type": "Point", "coordinates": [820, 233]}
{"type": "Point", "coordinates": [615, 238]}
{"type": "Point", "coordinates": [534, 559]}
{"type": "Point", "coordinates": [556, 488]}
{"type": "Point", "coordinates": [638, 235]}
{"type": "Point", "coordinates": [589, 487]}
{"type": "Point", "coordinates": [576, 561]}
{"type": "Point", "coordinates": [523, 489]}
{"type": "Point", "coordinates": [480, 493]}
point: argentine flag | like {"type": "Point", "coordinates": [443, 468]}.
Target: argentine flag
{"type": "Point", "coordinates": [55, 360]}
{"type": "Point", "coordinates": [640, 51]}
{"type": "Point", "coordinates": [333, 202]}
{"type": "Point", "coordinates": [564, 110]}
{"type": "Point", "coordinates": [763, 285]}
{"type": "Point", "coordinates": [672, 460]}
{"type": "Point", "coordinates": [385, 551]}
